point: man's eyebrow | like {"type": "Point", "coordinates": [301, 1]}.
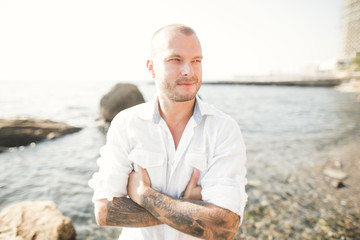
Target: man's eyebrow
{"type": "Point", "coordinates": [178, 56]}
{"type": "Point", "coordinates": [173, 55]}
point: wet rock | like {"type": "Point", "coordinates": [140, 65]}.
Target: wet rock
{"type": "Point", "coordinates": [21, 132]}
{"type": "Point", "coordinates": [120, 97]}
{"type": "Point", "coordinates": [35, 221]}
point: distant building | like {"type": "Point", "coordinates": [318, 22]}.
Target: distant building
{"type": "Point", "coordinates": [350, 31]}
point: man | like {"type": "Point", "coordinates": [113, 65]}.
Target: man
{"type": "Point", "coordinates": [180, 161]}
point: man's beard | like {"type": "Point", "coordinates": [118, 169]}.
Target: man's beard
{"type": "Point", "coordinates": [172, 95]}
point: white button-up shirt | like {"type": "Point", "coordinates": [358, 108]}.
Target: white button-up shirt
{"type": "Point", "coordinates": [211, 142]}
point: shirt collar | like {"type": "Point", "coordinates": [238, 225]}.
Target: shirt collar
{"type": "Point", "coordinates": [150, 110]}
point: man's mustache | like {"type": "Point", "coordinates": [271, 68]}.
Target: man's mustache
{"type": "Point", "coordinates": [187, 80]}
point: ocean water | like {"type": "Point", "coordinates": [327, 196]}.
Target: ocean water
{"type": "Point", "coordinates": [285, 129]}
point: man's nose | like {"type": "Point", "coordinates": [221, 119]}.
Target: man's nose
{"type": "Point", "coordinates": [187, 69]}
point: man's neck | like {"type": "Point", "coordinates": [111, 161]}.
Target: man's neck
{"type": "Point", "coordinates": [176, 115]}
{"type": "Point", "coordinates": [175, 112]}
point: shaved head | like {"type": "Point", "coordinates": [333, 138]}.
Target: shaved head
{"type": "Point", "coordinates": [158, 37]}
{"type": "Point", "coordinates": [177, 28]}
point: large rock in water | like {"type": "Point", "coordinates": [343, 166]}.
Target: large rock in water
{"type": "Point", "coordinates": [35, 221]}
{"type": "Point", "coordinates": [21, 132]}
{"type": "Point", "coordinates": [120, 97]}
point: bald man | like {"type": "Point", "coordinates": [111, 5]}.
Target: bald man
{"type": "Point", "coordinates": [174, 167]}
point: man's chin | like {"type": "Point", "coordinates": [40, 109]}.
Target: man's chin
{"type": "Point", "coordinates": [183, 98]}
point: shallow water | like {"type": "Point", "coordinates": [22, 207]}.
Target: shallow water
{"type": "Point", "coordinates": [285, 128]}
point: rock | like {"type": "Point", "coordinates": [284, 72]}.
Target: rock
{"type": "Point", "coordinates": [120, 97]}
{"type": "Point", "coordinates": [337, 184]}
{"type": "Point", "coordinates": [35, 221]}
{"type": "Point", "coordinates": [253, 183]}
{"type": "Point", "coordinates": [335, 173]}
{"type": "Point", "coordinates": [21, 132]}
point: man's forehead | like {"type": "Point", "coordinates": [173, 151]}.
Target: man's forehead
{"type": "Point", "coordinates": [168, 41]}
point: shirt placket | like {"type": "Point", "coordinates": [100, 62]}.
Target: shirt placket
{"type": "Point", "coordinates": [174, 155]}
{"type": "Point", "coordinates": [180, 151]}
{"type": "Point", "coordinates": [169, 150]}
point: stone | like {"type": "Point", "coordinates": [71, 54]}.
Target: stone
{"type": "Point", "coordinates": [120, 97]}
{"type": "Point", "coordinates": [335, 173]}
{"type": "Point", "coordinates": [35, 221]}
{"type": "Point", "coordinates": [22, 132]}
{"type": "Point", "coordinates": [254, 183]}
{"type": "Point", "coordinates": [337, 184]}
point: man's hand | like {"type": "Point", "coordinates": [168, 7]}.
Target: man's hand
{"type": "Point", "coordinates": [126, 212]}
{"type": "Point", "coordinates": [138, 183]}
{"type": "Point", "coordinates": [192, 190]}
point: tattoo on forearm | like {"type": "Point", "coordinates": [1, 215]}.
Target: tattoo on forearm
{"type": "Point", "coordinates": [192, 217]}
{"type": "Point", "coordinates": [126, 213]}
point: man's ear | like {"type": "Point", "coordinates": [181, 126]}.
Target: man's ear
{"type": "Point", "coordinates": [150, 67]}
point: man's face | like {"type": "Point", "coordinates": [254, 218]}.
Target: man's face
{"type": "Point", "coordinates": [176, 66]}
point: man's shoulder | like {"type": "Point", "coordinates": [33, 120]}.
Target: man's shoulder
{"type": "Point", "coordinates": [133, 112]}
{"type": "Point", "coordinates": [217, 120]}
{"type": "Point", "coordinates": [215, 114]}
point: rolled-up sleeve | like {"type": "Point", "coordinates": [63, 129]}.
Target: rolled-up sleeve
{"type": "Point", "coordinates": [114, 167]}
{"type": "Point", "coordinates": [225, 180]}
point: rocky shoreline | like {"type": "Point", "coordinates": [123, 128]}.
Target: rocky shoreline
{"type": "Point", "coordinates": [306, 205]}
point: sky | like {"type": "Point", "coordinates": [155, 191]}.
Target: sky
{"type": "Point", "coordinates": [109, 40]}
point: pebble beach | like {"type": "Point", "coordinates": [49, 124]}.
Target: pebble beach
{"type": "Point", "coordinates": [306, 205]}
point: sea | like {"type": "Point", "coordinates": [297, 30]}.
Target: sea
{"type": "Point", "coordinates": [285, 128]}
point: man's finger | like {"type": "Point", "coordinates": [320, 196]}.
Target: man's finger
{"type": "Point", "coordinates": [142, 171]}
{"type": "Point", "coordinates": [144, 175]}
{"type": "Point", "coordinates": [194, 178]}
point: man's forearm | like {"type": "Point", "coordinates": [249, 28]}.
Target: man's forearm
{"type": "Point", "coordinates": [126, 213]}
{"type": "Point", "coordinates": [197, 218]}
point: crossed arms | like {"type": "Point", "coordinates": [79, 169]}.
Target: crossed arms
{"type": "Point", "coordinates": [147, 207]}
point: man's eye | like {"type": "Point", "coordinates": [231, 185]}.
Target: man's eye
{"type": "Point", "coordinates": [196, 61]}
{"type": "Point", "coordinates": [175, 59]}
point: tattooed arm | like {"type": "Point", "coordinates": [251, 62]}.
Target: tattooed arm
{"type": "Point", "coordinates": [197, 218]}
{"type": "Point", "coordinates": [123, 212]}
{"type": "Point", "coordinates": [126, 213]}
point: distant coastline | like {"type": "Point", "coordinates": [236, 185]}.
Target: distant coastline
{"type": "Point", "coordinates": [345, 80]}
{"type": "Point", "coordinates": [285, 81]}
